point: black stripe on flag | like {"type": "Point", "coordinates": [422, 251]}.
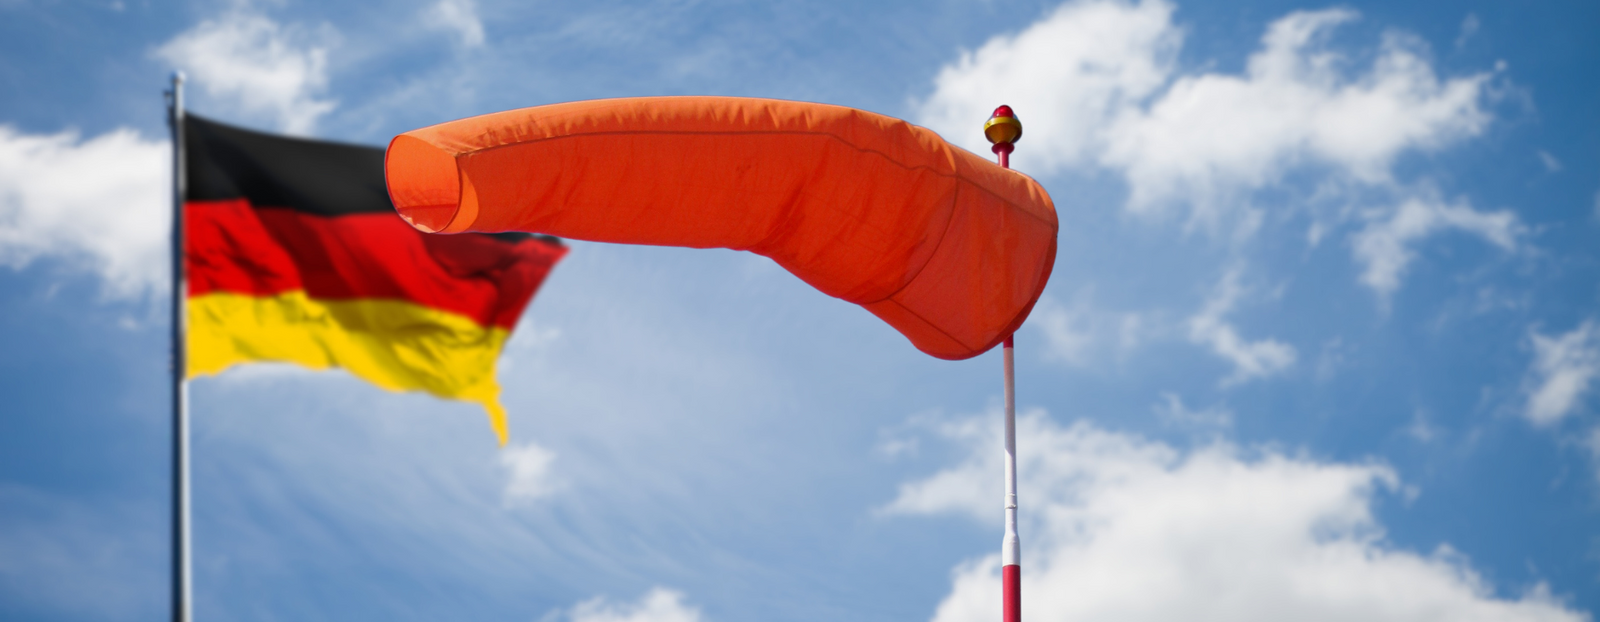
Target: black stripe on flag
{"type": "Point", "coordinates": [317, 177]}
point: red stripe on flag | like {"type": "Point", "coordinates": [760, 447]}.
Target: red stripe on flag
{"type": "Point", "coordinates": [235, 247]}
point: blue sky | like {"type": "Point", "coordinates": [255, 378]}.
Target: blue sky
{"type": "Point", "coordinates": [1321, 344]}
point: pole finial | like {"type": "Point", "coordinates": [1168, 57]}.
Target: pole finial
{"type": "Point", "coordinates": [1003, 129]}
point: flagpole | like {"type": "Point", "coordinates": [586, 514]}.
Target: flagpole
{"type": "Point", "coordinates": [1003, 129]}
{"type": "Point", "coordinates": [182, 575]}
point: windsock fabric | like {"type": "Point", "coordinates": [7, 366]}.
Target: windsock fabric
{"type": "Point", "coordinates": [295, 254]}
{"type": "Point", "coordinates": [948, 248]}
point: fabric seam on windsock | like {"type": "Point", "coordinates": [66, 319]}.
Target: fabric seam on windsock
{"type": "Point", "coordinates": [961, 181]}
{"type": "Point", "coordinates": [879, 215]}
{"type": "Point", "coordinates": [888, 158]}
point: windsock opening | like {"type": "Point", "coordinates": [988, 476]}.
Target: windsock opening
{"type": "Point", "coordinates": [946, 247]}
{"type": "Point", "coordinates": [424, 184]}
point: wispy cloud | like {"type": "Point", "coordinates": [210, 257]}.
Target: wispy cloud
{"type": "Point", "coordinates": [1385, 245]}
{"type": "Point", "coordinates": [1592, 443]}
{"type": "Point", "coordinates": [1115, 518]}
{"type": "Point", "coordinates": [1250, 359]}
{"type": "Point", "coordinates": [102, 205]}
{"type": "Point", "coordinates": [258, 68]}
{"type": "Point", "coordinates": [459, 17]}
{"type": "Point", "coordinates": [1469, 27]}
{"type": "Point", "coordinates": [529, 474]}
{"type": "Point", "coordinates": [657, 605]}
{"type": "Point", "coordinates": [1066, 332]}
{"type": "Point", "coordinates": [1420, 429]}
{"type": "Point", "coordinates": [1550, 162]}
{"type": "Point", "coordinates": [1563, 368]}
{"type": "Point", "coordinates": [1081, 334]}
{"type": "Point", "coordinates": [1172, 411]}
{"type": "Point", "coordinates": [54, 550]}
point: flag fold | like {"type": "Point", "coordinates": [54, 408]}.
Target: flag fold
{"type": "Point", "coordinates": [295, 254]}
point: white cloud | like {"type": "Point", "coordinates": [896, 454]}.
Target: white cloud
{"type": "Point", "coordinates": [1420, 429]}
{"type": "Point", "coordinates": [1210, 136]}
{"type": "Point", "coordinates": [1550, 162]}
{"type": "Point", "coordinates": [1593, 445]}
{"type": "Point", "coordinates": [1172, 411]}
{"type": "Point", "coordinates": [1097, 87]}
{"type": "Point", "coordinates": [1081, 334]}
{"type": "Point", "coordinates": [459, 17]}
{"type": "Point", "coordinates": [1118, 527]}
{"type": "Point", "coordinates": [257, 67]}
{"type": "Point", "coordinates": [103, 205]}
{"type": "Point", "coordinates": [1384, 246]}
{"type": "Point", "coordinates": [529, 475]}
{"type": "Point", "coordinates": [1563, 368]}
{"type": "Point", "coordinates": [1067, 335]}
{"type": "Point", "coordinates": [1469, 27]}
{"type": "Point", "coordinates": [1251, 359]}
{"type": "Point", "coordinates": [1067, 76]}
{"type": "Point", "coordinates": [658, 605]}
{"type": "Point", "coordinates": [1099, 79]}
{"type": "Point", "coordinates": [1331, 359]}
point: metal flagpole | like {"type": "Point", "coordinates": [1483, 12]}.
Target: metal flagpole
{"type": "Point", "coordinates": [182, 608]}
{"type": "Point", "coordinates": [1003, 129]}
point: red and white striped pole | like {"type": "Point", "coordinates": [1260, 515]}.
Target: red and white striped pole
{"type": "Point", "coordinates": [1003, 129]}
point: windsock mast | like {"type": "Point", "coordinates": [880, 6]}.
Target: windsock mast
{"type": "Point", "coordinates": [1003, 129]}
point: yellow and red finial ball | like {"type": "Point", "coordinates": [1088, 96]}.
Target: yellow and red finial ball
{"type": "Point", "coordinates": [1003, 128]}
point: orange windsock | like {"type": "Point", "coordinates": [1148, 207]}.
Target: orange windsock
{"type": "Point", "coordinates": [948, 248]}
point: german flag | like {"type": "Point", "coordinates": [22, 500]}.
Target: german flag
{"type": "Point", "coordinates": [295, 254]}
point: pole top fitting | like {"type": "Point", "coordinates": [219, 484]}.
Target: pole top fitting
{"type": "Point", "coordinates": [178, 77]}
{"type": "Point", "coordinates": [1003, 129]}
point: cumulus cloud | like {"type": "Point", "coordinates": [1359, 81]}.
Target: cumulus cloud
{"type": "Point", "coordinates": [1099, 78]}
{"type": "Point", "coordinates": [1250, 359]}
{"type": "Point", "coordinates": [657, 605]}
{"type": "Point", "coordinates": [258, 68]}
{"type": "Point", "coordinates": [103, 205]}
{"type": "Point", "coordinates": [1210, 135]}
{"type": "Point", "coordinates": [459, 17]}
{"type": "Point", "coordinates": [529, 476]}
{"type": "Point", "coordinates": [1385, 245]}
{"type": "Point", "coordinates": [1067, 76]}
{"type": "Point", "coordinates": [1563, 368]}
{"type": "Point", "coordinates": [1119, 527]}
{"type": "Point", "coordinates": [1096, 85]}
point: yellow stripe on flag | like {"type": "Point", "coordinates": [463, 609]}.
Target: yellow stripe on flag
{"type": "Point", "coordinates": [397, 345]}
